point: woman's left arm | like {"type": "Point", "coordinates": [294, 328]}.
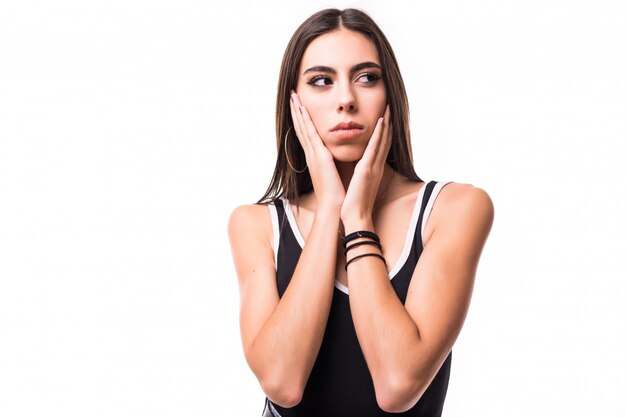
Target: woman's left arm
{"type": "Point", "coordinates": [405, 345]}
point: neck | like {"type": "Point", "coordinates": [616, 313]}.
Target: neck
{"type": "Point", "coordinates": [346, 170]}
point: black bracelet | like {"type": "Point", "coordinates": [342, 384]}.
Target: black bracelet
{"type": "Point", "coordinates": [358, 234]}
{"type": "Point", "coordinates": [365, 254]}
{"type": "Point", "coordinates": [365, 242]}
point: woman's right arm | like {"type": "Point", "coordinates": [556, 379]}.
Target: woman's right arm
{"type": "Point", "coordinates": [282, 336]}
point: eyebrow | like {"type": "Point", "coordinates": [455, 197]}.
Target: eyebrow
{"type": "Point", "coordinates": [357, 67]}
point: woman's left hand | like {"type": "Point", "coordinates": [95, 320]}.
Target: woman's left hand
{"type": "Point", "coordinates": [358, 204]}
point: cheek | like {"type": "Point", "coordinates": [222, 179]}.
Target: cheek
{"type": "Point", "coordinates": [315, 110]}
{"type": "Point", "coordinates": [381, 104]}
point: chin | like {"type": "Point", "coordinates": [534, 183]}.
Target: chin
{"type": "Point", "coordinates": [348, 154]}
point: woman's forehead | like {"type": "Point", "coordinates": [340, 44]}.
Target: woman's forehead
{"type": "Point", "coordinates": [341, 50]}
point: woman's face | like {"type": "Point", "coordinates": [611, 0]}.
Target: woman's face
{"type": "Point", "coordinates": [340, 81]}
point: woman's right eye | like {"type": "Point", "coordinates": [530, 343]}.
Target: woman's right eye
{"type": "Point", "coordinates": [314, 81]}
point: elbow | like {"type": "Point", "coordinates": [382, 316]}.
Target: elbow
{"type": "Point", "coordinates": [398, 395]}
{"type": "Point", "coordinates": [279, 381]}
{"type": "Point", "coordinates": [281, 392]}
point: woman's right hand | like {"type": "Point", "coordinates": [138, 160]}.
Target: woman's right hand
{"type": "Point", "coordinates": [327, 185]}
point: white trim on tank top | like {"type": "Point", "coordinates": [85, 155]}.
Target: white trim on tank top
{"type": "Point", "coordinates": [274, 216]}
{"type": "Point", "coordinates": [431, 202]}
{"type": "Point", "coordinates": [408, 242]}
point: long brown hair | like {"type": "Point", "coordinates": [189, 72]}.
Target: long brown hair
{"type": "Point", "coordinates": [287, 183]}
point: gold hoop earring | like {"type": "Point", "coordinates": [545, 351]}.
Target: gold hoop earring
{"type": "Point", "coordinates": [287, 155]}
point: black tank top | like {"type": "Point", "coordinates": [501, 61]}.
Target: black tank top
{"type": "Point", "coordinates": [340, 384]}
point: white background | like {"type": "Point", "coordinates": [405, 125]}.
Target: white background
{"type": "Point", "coordinates": [129, 130]}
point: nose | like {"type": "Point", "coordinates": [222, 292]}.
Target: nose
{"type": "Point", "coordinates": [347, 99]}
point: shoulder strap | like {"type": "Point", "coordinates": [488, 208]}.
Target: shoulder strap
{"type": "Point", "coordinates": [428, 189]}
{"type": "Point", "coordinates": [430, 195]}
{"type": "Point", "coordinates": [277, 212]}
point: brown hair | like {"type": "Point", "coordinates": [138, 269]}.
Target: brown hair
{"type": "Point", "coordinates": [291, 185]}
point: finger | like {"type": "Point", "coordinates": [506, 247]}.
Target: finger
{"type": "Point", "coordinates": [382, 148]}
{"type": "Point", "coordinates": [297, 125]}
{"type": "Point", "coordinates": [390, 137]}
{"type": "Point", "coordinates": [314, 137]}
{"type": "Point", "coordinates": [385, 145]}
{"type": "Point", "coordinates": [372, 146]}
{"type": "Point", "coordinates": [304, 132]}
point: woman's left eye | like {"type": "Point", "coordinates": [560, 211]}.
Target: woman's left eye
{"type": "Point", "coordinates": [373, 77]}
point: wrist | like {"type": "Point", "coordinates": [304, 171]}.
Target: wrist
{"type": "Point", "coordinates": [328, 210]}
{"type": "Point", "coordinates": [353, 225]}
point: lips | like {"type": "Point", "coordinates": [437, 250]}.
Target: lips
{"type": "Point", "coordinates": [347, 126]}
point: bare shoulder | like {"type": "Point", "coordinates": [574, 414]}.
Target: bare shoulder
{"type": "Point", "coordinates": [249, 215]}
{"type": "Point", "coordinates": [459, 203]}
{"type": "Point", "coordinates": [457, 195]}
{"type": "Point", "coordinates": [250, 222]}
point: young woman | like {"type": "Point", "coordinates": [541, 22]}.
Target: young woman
{"type": "Point", "coordinates": [369, 330]}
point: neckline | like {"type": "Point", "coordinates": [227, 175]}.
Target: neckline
{"type": "Point", "coordinates": [408, 240]}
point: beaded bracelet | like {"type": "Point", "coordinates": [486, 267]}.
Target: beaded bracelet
{"type": "Point", "coordinates": [365, 254]}
{"type": "Point", "coordinates": [365, 242]}
{"type": "Point", "coordinates": [358, 234]}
